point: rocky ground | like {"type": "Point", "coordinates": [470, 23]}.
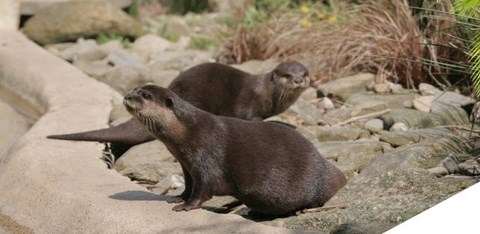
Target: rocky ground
{"type": "Point", "coordinates": [402, 150]}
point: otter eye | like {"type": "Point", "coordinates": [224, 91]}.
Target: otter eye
{"type": "Point", "coordinates": [168, 102]}
{"type": "Point", "coordinates": [305, 74]}
{"type": "Point", "coordinates": [146, 96]}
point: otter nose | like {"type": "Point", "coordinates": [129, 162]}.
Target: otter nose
{"type": "Point", "coordinates": [298, 80]}
{"type": "Point", "coordinates": [128, 97]}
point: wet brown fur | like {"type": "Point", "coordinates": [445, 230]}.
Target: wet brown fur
{"type": "Point", "coordinates": [269, 167]}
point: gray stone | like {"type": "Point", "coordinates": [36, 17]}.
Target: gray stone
{"type": "Point", "coordinates": [337, 133]}
{"type": "Point", "coordinates": [12, 126]}
{"type": "Point", "coordinates": [83, 50]}
{"type": "Point", "coordinates": [309, 94]}
{"type": "Point", "coordinates": [69, 21]}
{"type": "Point", "coordinates": [149, 44]}
{"type": "Point", "coordinates": [123, 58]}
{"type": "Point", "coordinates": [352, 156]}
{"type": "Point", "coordinates": [173, 182]}
{"type": "Point", "coordinates": [163, 77]}
{"type": "Point", "coordinates": [448, 99]}
{"type": "Point", "coordinates": [381, 87]}
{"type": "Point", "coordinates": [400, 138]}
{"type": "Point", "coordinates": [409, 117]}
{"type": "Point", "coordinates": [30, 7]}
{"type": "Point", "coordinates": [425, 154]}
{"type": "Point", "coordinates": [97, 69]}
{"type": "Point", "coordinates": [148, 162]}
{"type": "Point", "coordinates": [345, 87]}
{"type": "Point", "coordinates": [179, 60]}
{"type": "Point", "coordinates": [399, 127]}
{"type": "Point", "coordinates": [426, 89]}
{"type": "Point", "coordinates": [374, 205]}
{"type": "Point", "coordinates": [444, 116]}
{"type": "Point", "coordinates": [257, 66]}
{"type": "Point", "coordinates": [111, 46]}
{"type": "Point", "coordinates": [374, 125]}
{"type": "Point", "coordinates": [423, 103]}
{"type": "Point", "coordinates": [173, 27]}
{"type": "Point", "coordinates": [306, 112]}
{"type": "Point", "coordinates": [392, 101]}
{"type": "Point", "coordinates": [125, 78]}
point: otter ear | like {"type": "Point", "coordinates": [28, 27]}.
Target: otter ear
{"type": "Point", "coordinates": [169, 102]}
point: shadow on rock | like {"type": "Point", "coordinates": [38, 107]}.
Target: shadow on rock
{"type": "Point", "coordinates": [138, 195]}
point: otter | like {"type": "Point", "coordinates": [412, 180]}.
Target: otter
{"type": "Point", "coordinates": [218, 89]}
{"type": "Point", "coordinates": [269, 167]}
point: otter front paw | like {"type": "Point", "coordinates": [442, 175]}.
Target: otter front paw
{"type": "Point", "coordinates": [184, 207]}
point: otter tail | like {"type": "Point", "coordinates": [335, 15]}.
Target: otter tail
{"type": "Point", "coordinates": [131, 132]}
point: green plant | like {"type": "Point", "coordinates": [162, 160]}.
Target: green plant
{"type": "Point", "coordinates": [133, 8]}
{"type": "Point", "coordinates": [469, 9]}
{"type": "Point", "coordinates": [201, 43]}
{"type": "Point", "coordinates": [171, 37]}
{"type": "Point", "coordinates": [106, 37]}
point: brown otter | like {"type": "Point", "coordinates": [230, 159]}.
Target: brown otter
{"type": "Point", "coordinates": [218, 89]}
{"type": "Point", "coordinates": [269, 167]}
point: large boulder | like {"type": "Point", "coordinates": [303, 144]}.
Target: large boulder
{"type": "Point", "coordinates": [69, 21]}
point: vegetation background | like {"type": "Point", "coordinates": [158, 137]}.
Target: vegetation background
{"type": "Point", "coordinates": [406, 41]}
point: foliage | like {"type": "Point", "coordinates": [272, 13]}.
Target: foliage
{"type": "Point", "coordinates": [201, 43]}
{"type": "Point", "coordinates": [469, 9]}
{"type": "Point", "coordinates": [133, 8]}
{"type": "Point", "coordinates": [185, 6]}
{"type": "Point", "coordinates": [103, 38]}
{"type": "Point", "coordinates": [389, 39]}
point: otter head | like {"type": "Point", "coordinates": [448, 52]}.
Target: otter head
{"type": "Point", "coordinates": [154, 106]}
{"type": "Point", "coordinates": [291, 75]}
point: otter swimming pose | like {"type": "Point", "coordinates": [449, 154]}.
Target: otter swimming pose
{"type": "Point", "coordinates": [218, 89]}
{"type": "Point", "coordinates": [269, 167]}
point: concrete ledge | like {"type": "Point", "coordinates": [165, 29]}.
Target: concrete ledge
{"type": "Point", "coordinates": [52, 186]}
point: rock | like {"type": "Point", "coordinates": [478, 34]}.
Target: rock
{"type": "Point", "coordinates": [125, 78]}
{"type": "Point", "coordinates": [399, 127]}
{"type": "Point", "coordinates": [149, 44]}
{"type": "Point", "coordinates": [400, 138]}
{"type": "Point", "coordinates": [327, 104]}
{"type": "Point", "coordinates": [392, 101]}
{"type": "Point", "coordinates": [374, 125]}
{"type": "Point", "coordinates": [374, 205]}
{"type": "Point", "coordinates": [163, 77]}
{"type": "Point", "coordinates": [426, 154]}
{"type": "Point", "coordinates": [352, 157]}
{"type": "Point", "coordinates": [409, 117]}
{"type": "Point", "coordinates": [345, 87]}
{"type": "Point", "coordinates": [337, 133]}
{"type": "Point", "coordinates": [307, 112]}
{"type": "Point", "coordinates": [68, 21]}
{"type": "Point", "coordinates": [448, 99]}
{"type": "Point", "coordinates": [337, 116]}
{"type": "Point", "coordinates": [257, 66]}
{"type": "Point", "coordinates": [173, 182]}
{"type": "Point", "coordinates": [426, 89]}
{"type": "Point", "coordinates": [12, 126]}
{"type": "Point", "coordinates": [309, 94]}
{"type": "Point", "coordinates": [56, 48]}
{"type": "Point", "coordinates": [83, 50]}
{"type": "Point", "coordinates": [96, 69]}
{"type": "Point", "coordinates": [444, 116]}
{"type": "Point", "coordinates": [150, 162]}
{"type": "Point", "coordinates": [111, 46]}
{"type": "Point", "coordinates": [179, 60]}
{"type": "Point", "coordinates": [381, 87]}
{"type": "Point", "coordinates": [396, 88]}
{"type": "Point", "coordinates": [173, 27]}
{"type": "Point", "coordinates": [423, 103]}
{"type": "Point", "coordinates": [123, 58]}
{"type": "Point", "coordinates": [30, 7]}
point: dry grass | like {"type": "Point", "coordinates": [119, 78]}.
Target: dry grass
{"type": "Point", "coordinates": [394, 44]}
